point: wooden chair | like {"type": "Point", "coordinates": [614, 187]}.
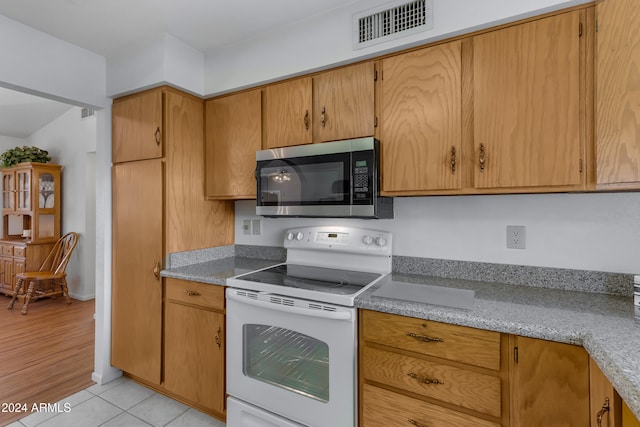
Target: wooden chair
{"type": "Point", "coordinates": [51, 279]}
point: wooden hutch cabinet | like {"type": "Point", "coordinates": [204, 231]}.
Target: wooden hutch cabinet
{"type": "Point", "coordinates": [31, 202]}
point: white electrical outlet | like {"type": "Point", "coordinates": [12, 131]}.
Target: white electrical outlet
{"type": "Point", "coordinates": [516, 237]}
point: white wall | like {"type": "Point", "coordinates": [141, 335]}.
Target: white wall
{"type": "Point", "coordinates": [71, 142]}
{"type": "Point", "coordinates": [325, 40]}
{"type": "Point", "coordinates": [596, 232]}
{"type": "Point", "coordinates": [159, 60]}
{"type": "Point", "coordinates": [37, 63]}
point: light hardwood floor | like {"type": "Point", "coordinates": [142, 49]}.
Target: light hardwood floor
{"type": "Point", "coordinates": [45, 355]}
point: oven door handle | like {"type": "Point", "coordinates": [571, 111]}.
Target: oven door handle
{"type": "Point", "coordinates": [324, 314]}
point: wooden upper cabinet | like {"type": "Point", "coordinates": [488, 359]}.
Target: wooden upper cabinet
{"type": "Point", "coordinates": [527, 105]}
{"type": "Point", "coordinates": [288, 113]}
{"type": "Point", "coordinates": [343, 105]}
{"type": "Point", "coordinates": [420, 120]}
{"type": "Point", "coordinates": [549, 384]}
{"type": "Point", "coordinates": [137, 127]}
{"type": "Point", "coordinates": [233, 135]}
{"type": "Point", "coordinates": [618, 94]}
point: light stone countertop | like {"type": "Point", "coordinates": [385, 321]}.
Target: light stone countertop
{"type": "Point", "coordinates": [217, 272]}
{"type": "Point", "coordinates": [603, 324]}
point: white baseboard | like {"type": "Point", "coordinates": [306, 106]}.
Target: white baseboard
{"type": "Point", "coordinates": [106, 377]}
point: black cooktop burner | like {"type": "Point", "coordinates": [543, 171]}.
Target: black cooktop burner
{"type": "Point", "coordinates": [343, 282]}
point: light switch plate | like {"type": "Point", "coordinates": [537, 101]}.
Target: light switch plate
{"type": "Point", "coordinates": [246, 226]}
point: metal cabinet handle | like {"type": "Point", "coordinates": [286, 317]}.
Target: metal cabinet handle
{"type": "Point", "coordinates": [452, 159]}
{"type": "Point", "coordinates": [156, 270]}
{"type": "Point", "coordinates": [423, 379]}
{"type": "Point", "coordinates": [156, 134]}
{"type": "Point", "coordinates": [192, 293]}
{"type": "Point", "coordinates": [322, 116]}
{"type": "Point", "coordinates": [601, 412]}
{"type": "Point", "coordinates": [415, 423]}
{"type": "Point", "coordinates": [424, 338]}
{"type": "Point", "coordinates": [306, 120]}
{"type": "Point", "coordinates": [482, 157]}
{"type": "Point", "coordinates": [218, 343]}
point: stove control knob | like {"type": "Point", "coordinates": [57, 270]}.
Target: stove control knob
{"type": "Point", "coordinates": [299, 236]}
{"type": "Point", "coordinates": [381, 241]}
{"type": "Point", "coordinates": [367, 240]}
{"type": "Point", "coordinates": [289, 236]}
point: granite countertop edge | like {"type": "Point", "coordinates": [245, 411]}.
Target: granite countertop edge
{"type": "Point", "coordinates": [615, 352]}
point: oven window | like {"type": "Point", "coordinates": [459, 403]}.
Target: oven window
{"type": "Point", "coordinates": [286, 359]}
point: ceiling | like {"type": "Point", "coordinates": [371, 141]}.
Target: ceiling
{"type": "Point", "coordinates": [108, 26]}
{"type": "Point", "coordinates": [22, 114]}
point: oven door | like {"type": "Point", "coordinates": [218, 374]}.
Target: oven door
{"type": "Point", "coordinates": [294, 358]}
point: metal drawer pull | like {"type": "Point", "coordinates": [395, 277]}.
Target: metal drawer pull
{"type": "Point", "coordinates": [323, 119]}
{"type": "Point", "coordinates": [192, 293]}
{"type": "Point", "coordinates": [156, 270]}
{"type": "Point", "coordinates": [424, 338]}
{"type": "Point", "coordinates": [424, 380]}
{"type": "Point", "coordinates": [452, 160]}
{"type": "Point", "coordinates": [156, 134]}
{"type": "Point", "coordinates": [601, 412]}
{"type": "Point", "coordinates": [482, 157]}
{"type": "Point", "coordinates": [218, 338]}
{"type": "Point", "coordinates": [415, 423]}
{"type": "Point", "coordinates": [306, 120]}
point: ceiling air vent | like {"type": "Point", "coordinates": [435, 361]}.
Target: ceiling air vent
{"type": "Point", "coordinates": [383, 24]}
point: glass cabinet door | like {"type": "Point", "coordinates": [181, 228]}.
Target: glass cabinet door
{"type": "Point", "coordinates": [8, 191]}
{"type": "Point", "coordinates": [46, 187]}
{"type": "Point", "coordinates": [23, 191]}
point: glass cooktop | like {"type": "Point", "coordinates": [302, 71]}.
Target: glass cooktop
{"type": "Point", "coordinates": [321, 279]}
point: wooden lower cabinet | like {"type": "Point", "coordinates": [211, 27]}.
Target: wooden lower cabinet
{"type": "Point", "coordinates": [18, 257]}
{"type": "Point", "coordinates": [194, 349]}
{"type": "Point", "coordinates": [423, 373]}
{"type": "Point", "coordinates": [384, 408]}
{"type": "Point", "coordinates": [549, 383]}
{"type": "Point", "coordinates": [418, 372]}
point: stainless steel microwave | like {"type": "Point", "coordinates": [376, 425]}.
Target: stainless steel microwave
{"type": "Point", "coordinates": [338, 179]}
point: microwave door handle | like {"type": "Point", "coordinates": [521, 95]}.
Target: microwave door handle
{"type": "Point", "coordinates": [331, 315]}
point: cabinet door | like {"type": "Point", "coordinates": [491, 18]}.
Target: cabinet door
{"type": "Point", "coordinates": [136, 298]}
{"type": "Point", "coordinates": [19, 266]}
{"type": "Point", "coordinates": [288, 116]}
{"type": "Point", "coordinates": [191, 221]}
{"type": "Point", "coordinates": [6, 279]}
{"type": "Point", "coordinates": [194, 354]}
{"type": "Point", "coordinates": [421, 120]}
{"type": "Point", "coordinates": [137, 127]}
{"type": "Point", "coordinates": [605, 403]}
{"type": "Point", "coordinates": [549, 384]}
{"type": "Point", "coordinates": [618, 94]}
{"type": "Point", "coordinates": [8, 192]}
{"type": "Point", "coordinates": [527, 104]}
{"type": "Point", "coordinates": [344, 103]}
{"type": "Point", "coordinates": [233, 135]}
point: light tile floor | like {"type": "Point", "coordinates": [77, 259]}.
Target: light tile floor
{"type": "Point", "coordinates": [120, 403]}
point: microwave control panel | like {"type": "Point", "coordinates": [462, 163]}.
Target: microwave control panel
{"type": "Point", "coordinates": [362, 163]}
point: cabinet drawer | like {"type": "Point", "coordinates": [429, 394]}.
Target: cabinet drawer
{"type": "Point", "coordinates": [457, 343]}
{"type": "Point", "coordinates": [7, 250]}
{"type": "Point", "coordinates": [461, 387]}
{"type": "Point", "coordinates": [383, 408]}
{"type": "Point", "coordinates": [211, 296]}
{"type": "Point", "coordinates": [19, 252]}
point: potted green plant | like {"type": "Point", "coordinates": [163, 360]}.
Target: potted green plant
{"type": "Point", "coordinates": [13, 156]}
